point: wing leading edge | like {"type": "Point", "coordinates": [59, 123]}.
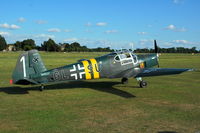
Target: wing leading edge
{"type": "Point", "coordinates": [161, 71]}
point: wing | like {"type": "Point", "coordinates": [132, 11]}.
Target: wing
{"type": "Point", "coordinates": [161, 71]}
{"type": "Point", "coordinates": [81, 60]}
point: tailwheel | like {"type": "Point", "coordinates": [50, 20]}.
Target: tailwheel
{"type": "Point", "coordinates": [124, 80]}
{"type": "Point", "coordinates": [41, 87]}
{"type": "Point", "coordinates": [143, 84]}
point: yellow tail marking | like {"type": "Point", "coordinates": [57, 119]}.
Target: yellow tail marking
{"type": "Point", "coordinates": [95, 68]}
{"type": "Point", "coordinates": [87, 70]}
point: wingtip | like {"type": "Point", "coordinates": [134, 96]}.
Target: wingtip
{"type": "Point", "coordinates": [192, 69]}
{"type": "Point", "coordinates": [196, 70]}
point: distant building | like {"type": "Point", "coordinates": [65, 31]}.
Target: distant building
{"type": "Point", "coordinates": [11, 47]}
{"type": "Point", "coordinates": [62, 47]}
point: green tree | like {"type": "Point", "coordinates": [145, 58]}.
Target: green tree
{"type": "Point", "coordinates": [50, 45]}
{"type": "Point", "coordinates": [18, 45]}
{"type": "Point", "coordinates": [3, 44]}
{"type": "Point", "coordinates": [28, 44]}
{"type": "Point", "coordinates": [193, 50]}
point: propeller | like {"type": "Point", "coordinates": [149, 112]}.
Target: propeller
{"type": "Point", "coordinates": [155, 47]}
{"type": "Point", "coordinates": [156, 51]}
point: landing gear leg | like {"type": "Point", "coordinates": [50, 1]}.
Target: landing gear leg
{"type": "Point", "coordinates": [41, 87]}
{"type": "Point", "coordinates": [141, 82]}
{"type": "Point", "coordinates": [124, 80]}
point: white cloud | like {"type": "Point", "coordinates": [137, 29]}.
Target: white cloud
{"type": "Point", "coordinates": [101, 24]}
{"type": "Point", "coordinates": [94, 43]}
{"type": "Point", "coordinates": [185, 42]}
{"type": "Point", "coordinates": [177, 1]}
{"type": "Point", "coordinates": [71, 39]}
{"type": "Point", "coordinates": [181, 29]}
{"type": "Point", "coordinates": [111, 31]}
{"type": "Point", "coordinates": [146, 43]}
{"type": "Point", "coordinates": [5, 25]}
{"type": "Point", "coordinates": [4, 33]}
{"type": "Point", "coordinates": [165, 44]}
{"type": "Point", "coordinates": [11, 27]}
{"type": "Point", "coordinates": [171, 27]}
{"type": "Point", "coordinates": [21, 19]}
{"type": "Point", "coordinates": [40, 38]}
{"type": "Point", "coordinates": [67, 30]}
{"type": "Point", "coordinates": [174, 28]}
{"type": "Point", "coordinates": [142, 33]}
{"type": "Point", "coordinates": [54, 30]}
{"type": "Point", "coordinates": [88, 24]}
{"type": "Point", "coordinates": [43, 36]}
{"type": "Point", "coordinates": [41, 22]}
{"type": "Point", "coordinates": [181, 41]}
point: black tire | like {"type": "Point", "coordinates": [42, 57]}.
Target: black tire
{"type": "Point", "coordinates": [41, 88]}
{"type": "Point", "coordinates": [143, 84]}
{"type": "Point", "coordinates": [124, 80]}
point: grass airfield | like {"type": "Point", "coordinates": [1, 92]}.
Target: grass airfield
{"type": "Point", "coordinates": [170, 104]}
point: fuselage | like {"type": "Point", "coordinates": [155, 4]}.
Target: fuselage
{"type": "Point", "coordinates": [113, 65]}
{"type": "Point", "coordinates": [124, 64]}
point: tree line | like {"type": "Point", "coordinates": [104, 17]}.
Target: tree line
{"type": "Point", "coordinates": [51, 45]}
{"type": "Point", "coordinates": [169, 50]}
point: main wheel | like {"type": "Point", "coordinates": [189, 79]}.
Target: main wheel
{"type": "Point", "coordinates": [143, 84]}
{"type": "Point", "coordinates": [124, 80]}
{"type": "Point", "coordinates": [41, 88]}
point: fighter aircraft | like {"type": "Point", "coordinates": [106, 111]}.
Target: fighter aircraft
{"type": "Point", "coordinates": [121, 64]}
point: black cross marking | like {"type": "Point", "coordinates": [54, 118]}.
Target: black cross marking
{"type": "Point", "coordinates": [35, 59]}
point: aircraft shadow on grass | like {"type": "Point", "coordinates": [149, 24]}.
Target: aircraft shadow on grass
{"type": "Point", "coordinates": [99, 86]}
{"type": "Point", "coordinates": [167, 132]}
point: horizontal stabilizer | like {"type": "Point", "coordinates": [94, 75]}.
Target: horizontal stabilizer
{"type": "Point", "coordinates": [25, 82]}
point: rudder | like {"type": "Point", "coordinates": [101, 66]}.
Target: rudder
{"type": "Point", "coordinates": [29, 64]}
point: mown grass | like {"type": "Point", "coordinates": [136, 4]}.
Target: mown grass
{"type": "Point", "coordinates": [169, 103]}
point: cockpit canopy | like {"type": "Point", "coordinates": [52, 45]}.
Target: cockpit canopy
{"type": "Point", "coordinates": [124, 56]}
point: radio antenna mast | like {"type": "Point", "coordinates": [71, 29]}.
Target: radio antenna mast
{"type": "Point", "coordinates": [131, 44]}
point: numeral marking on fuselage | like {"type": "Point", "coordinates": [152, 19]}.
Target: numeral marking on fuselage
{"type": "Point", "coordinates": [23, 65]}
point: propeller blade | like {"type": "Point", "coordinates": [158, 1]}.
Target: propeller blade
{"type": "Point", "coordinates": [156, 51]}
{"type": "Point", "coordinates": [155, 46]}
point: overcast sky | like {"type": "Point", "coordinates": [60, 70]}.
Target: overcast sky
{"type": "Point", "coordinates": [105, 23]}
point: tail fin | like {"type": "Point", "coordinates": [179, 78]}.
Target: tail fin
{"type": "Point", "coordinates": [29, 64]}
